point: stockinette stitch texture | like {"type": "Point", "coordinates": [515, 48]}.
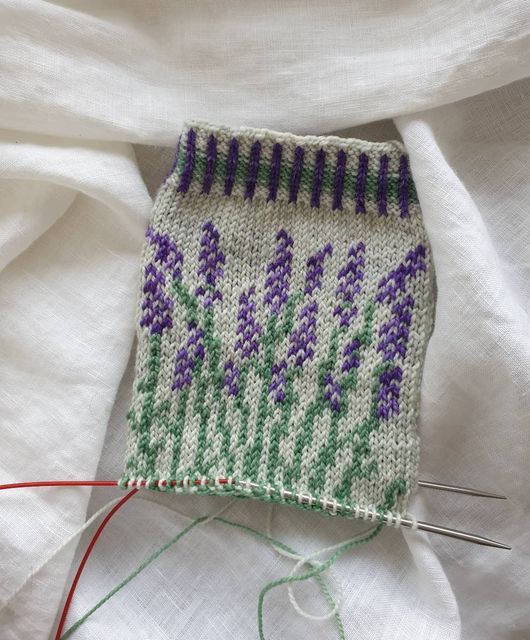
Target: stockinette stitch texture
{"type": "Point", "coordinates": [286, 302]}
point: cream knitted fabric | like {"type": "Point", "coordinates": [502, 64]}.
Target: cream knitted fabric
{"type": "Point", "coordinates": [286, 302]}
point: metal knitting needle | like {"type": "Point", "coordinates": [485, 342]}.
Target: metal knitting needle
{"type": "Point", "coordinates": [333, 507]}
{"type": "Point", "coordinates": [427, 484]}
{"type": "Point", "coordinates": [454, 533]}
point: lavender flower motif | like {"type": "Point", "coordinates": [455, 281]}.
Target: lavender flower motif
{"type": "Point", "coordinates": [231, 378]}
{"type": "Point", "coordinates": [248, 329]}
{"type": "Point", "coordinates": [279, 381]}
{"type": "Point", "coordinates": [187, 357]}
{"type": "Point", "coordinates": [156, 306]}
{"type": "Point", "coordinates": [168, 255]}
{"type": "Point", "coordinates": [394, 334]}
{"type": "Point", "coordinates": [350, 285]}
{"type": "Point", "coordinates": [388, 396]}
{"type": "Point", "coordinates": [211, 261]}
{"type": "Point", "coordinates": [304, 335]}
{"type": "Point", "coordinates": [396, 281]}
{"type": "Point", "coordinates": [333, 393]}
{"type": "Point", "coordinates": [247, 343]}
{"type": "Point", "coordinates": [350, 356]}
{"type": "Point", "coordinates": [279, 273]}
{"type": "Point", "coordinates": [315, 269]}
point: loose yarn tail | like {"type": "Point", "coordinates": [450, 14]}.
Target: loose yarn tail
{"type": "Point", "coordinates": [315, 571]}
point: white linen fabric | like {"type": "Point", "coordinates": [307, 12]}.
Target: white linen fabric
{"type": "Point", "coordinates": [82, 82]}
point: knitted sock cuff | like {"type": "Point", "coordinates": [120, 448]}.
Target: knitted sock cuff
{"type": "Point", "coordinates": [324, 172]}
{"type": "Point", "coordinates": [286, 301]}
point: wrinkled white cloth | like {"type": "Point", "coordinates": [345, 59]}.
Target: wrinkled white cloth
{"type": "Point", "coordinates": [82, 82]}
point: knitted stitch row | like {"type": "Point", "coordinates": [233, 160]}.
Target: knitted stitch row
{"type": "Point", "coordinates": [286, 301]}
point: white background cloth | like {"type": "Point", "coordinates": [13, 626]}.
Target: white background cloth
{"type": "Point", "coordinates": [92, 98]}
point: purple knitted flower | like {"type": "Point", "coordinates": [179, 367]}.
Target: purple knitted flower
{"type": "Point", "coordinates": [333, 392]}
{"type": "Point", "coordinates": [278, 381]}
{"type": "Point", "coordinates": [279, 273]}
{"type": "Point", "coordinates": [304, 337]}
{"type": "Point", "coordinates": [396, 281]}
{"type": "Point", "coordinates": [394, 334]}
{"type": "Point", "coordinates": [388, 396]}
{"type": "Point", "coordinates": [187, 357]}
{"type": "Point", "coordinates": [247, 342]}
{"type": "Point", "coordinates": [315, 269]}
{"type": "Point", "coordinates": [231, 378]}
{"type": "Point", "coordinates": [211, 261]}
{"type": "Point", "coordinates": [350, 356]}
{"type": "Point", "coordinates": [248, 328]}
{"type": "Point", "coordinates": [156, 306]}
{"type": "Point", "coordinates": [350, 279]}
{"type": "Point", "coordinates": [168, 256]}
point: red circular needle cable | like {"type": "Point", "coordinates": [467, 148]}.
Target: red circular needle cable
{"type": "Point", "coordinates": [85, 558]}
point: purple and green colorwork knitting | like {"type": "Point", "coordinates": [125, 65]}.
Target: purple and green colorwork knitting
{"type": "Point", "coordinates": [286, 302]}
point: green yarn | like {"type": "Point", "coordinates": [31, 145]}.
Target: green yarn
{"type": "Point", "coordinates": [314, 572]}
{"type": "Point", "coordinates": [131, 576]}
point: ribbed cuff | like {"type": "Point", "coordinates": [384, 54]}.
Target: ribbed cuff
{"type": "Point", "coordinates": [314, 171]}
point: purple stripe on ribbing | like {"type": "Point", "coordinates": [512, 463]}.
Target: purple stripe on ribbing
{"type": "Point", "coordinates": [211, 160]}
{"type": "Point", "coordinates": [382, 185]}
{"type": "Point", "coordinates": [318, 175]}
{"type": "Point", "coordinates": [231, 166]}
{"type": "Point", "coordinates": [253, 166]}
{"type": "Point", "coordinates": [338, 181]}
{"type": "Point", "coordinates": [296, 174]}
{"type": "Point", "coordinates": [274, 174]}
{"type": "Point", "coordinates": [360, 186]}
{"type": "Point", "coordinates": [187, 172]}
{"type": "Point", "coordinates": [403, 187]}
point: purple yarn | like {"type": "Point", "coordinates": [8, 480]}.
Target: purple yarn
{"type": "Point", "coordinates": [187, 357]}
{"type": "Point", "coordinates": [304, 337]}
{"type": "Point", "coordinates": [248, 329]}
{"type": "Point", "coordinates": [211, 161]}
{"type": "Point", "coordinates": [396, 281]}
{"type": "Point", "coordinates": [388, 396]}
{"type": "Point", "coordinates": [315, 269]}
{"type": "Point", "coordinates": [338, 181]}
{"type": "Point", "coordinates": [231, 378]}
{"type": "Point", "coordinates": [253, 166]}
{"type": "Point", "coordinates": [349, 286]}
{"type": "Point", "coordinates": [156, 306]}
{"type": "Point", "coordinates": [278, 381]}
{"type": "Point", "coordinates": [382, 185]}
{"type": "Point", "coordinates": [211, 261]}
{"type": "Point", "coordinates": [350, 356]}
{"type": "Point", "coordinates": [394, 334]}
{"type": "Point", "coordinates": [279, 273]}
{"type": "Point", "coordinates": [296, 174]}
{"type": "Point", "coordinates": [333, 392]}
{"type": "Point", "coordinates": [360, 186]}
{"type": "Point", "coordinates": [274, 175]}
{"type": "Point", "coordinates": [248, 333]}
{"type": "Point", "coordinates": [231, 166]}
{"type": "Point", "coordinates": [187, 172]}
{"type": "Point", "coordinates": [168, 256]}
{"type": "Point", "coordinates": [318, 175]}
{"type": "Point", "coordinates": [403, 186]}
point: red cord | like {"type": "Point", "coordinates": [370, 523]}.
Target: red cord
{"type": "Point", "coordinates": [96, 483]}
{"type": "Point", "coordinates": [85, 558]}
{"type": "Point", "coordinates": [61, 483]}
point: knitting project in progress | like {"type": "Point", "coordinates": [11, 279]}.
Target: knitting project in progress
{"type": "Point", "coordinates": [287, 297]}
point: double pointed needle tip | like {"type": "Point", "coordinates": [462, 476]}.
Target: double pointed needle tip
{"type": "Point", "coordinates": [426, 484]}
